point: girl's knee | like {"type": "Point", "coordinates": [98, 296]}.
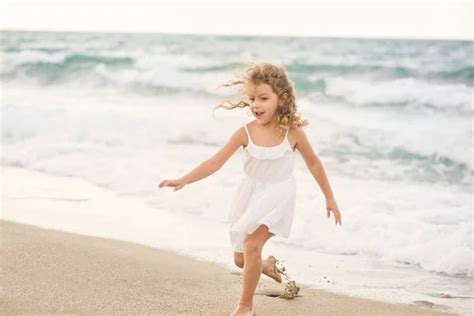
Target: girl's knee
{"type": "Point", "coordinates": [254, 242]}
{"type": "Point", "coordinates": [239, 259]}
{"type": "Point", "coordinates": [253, 246]}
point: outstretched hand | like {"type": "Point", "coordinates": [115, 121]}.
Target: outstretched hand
{"type": "Point", "coordinates": [331, 205]}
{"type": "Point", "coordinates": [178, 184]}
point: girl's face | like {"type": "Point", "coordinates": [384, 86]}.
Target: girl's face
{"type": "Point", "coordinates": [264, 103]}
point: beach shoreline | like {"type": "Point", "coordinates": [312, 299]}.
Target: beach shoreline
{"type": "Point", "coordinates": [51, 271]}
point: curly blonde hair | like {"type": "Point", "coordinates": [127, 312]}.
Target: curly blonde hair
{"type": "Point", "coordinates": [276, 77]}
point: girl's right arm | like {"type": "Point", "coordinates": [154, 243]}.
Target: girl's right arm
{"type": "Point", "coordinates": [211, 165]}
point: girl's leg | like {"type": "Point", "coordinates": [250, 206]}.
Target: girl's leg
{"type": "Point", "coordinates": [253, 246]}
{"type": "Point", "coordinates": [267, 265]}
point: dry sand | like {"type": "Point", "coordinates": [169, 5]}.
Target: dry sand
{"type": "Point", "coordinates": [48, 271]}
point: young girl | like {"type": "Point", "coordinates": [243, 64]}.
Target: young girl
{"type": "Point", "coordinates": [264, 202]}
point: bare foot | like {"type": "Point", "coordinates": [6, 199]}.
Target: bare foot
{"type": "Point", "coordinates": [242, 310]}
{"type": "Point", "coordinates": [270, 269]}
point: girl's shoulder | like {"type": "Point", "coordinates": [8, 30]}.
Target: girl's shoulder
{"type": "Point", "coordinates": [240, 136]}
{"type": "Point", "coordinates": [296, 136]}
{"type": "Point", "coordinates": [244, 140]}
{"type": "Point", "coordinates": [293, 133]}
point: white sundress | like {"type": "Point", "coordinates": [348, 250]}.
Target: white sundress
{"type": "Point", "coordinates": [266, 193]}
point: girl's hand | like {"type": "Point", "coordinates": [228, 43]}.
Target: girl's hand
{"type": "Point", "coordinates": [331, 205]}
{"type": "Point", "coordinates": [178, 184]}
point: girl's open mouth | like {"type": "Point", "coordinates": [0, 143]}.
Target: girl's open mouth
{"type": "Point", "coordinates": [259, 114]}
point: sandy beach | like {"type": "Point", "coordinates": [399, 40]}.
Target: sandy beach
{"type": "Point", "coordinates": [49, 271]}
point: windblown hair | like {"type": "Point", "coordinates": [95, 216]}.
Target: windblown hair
{"type": "Point", "coordinates": [276, 77]}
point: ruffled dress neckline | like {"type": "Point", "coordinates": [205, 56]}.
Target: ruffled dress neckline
{"type": "Point", "coordinates": [267, 152]}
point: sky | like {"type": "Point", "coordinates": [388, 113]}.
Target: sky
{"type": "Point", "coordinates": [360, 19]}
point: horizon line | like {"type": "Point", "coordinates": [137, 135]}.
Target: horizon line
{"type": "Point", "coordinates": [240, 34]}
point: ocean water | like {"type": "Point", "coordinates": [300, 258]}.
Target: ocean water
{"type": "Point", "coordinates": [391, 120]}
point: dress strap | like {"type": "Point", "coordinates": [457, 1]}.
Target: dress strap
{"type": "Point", "coordinates": [287, 139]}
{"type": "Point", "coordinates": [248, 134]}
{"type": "Point", "coordinates": [284, 140]}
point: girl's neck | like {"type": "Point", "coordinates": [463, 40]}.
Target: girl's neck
{"type": "Point", "coordinates": [270, 125]}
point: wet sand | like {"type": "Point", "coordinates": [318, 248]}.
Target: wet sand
{"type": "Point", "coordinates": [49, 271]}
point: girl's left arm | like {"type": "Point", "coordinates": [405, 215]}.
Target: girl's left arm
{"type": "Point", "coordinates": [316, 168]}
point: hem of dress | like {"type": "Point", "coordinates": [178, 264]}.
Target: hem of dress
{"type": "Point", "coordinates": [270, 229]}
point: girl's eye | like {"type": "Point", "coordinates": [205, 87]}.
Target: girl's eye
{"type": "Point", "coordinates": [264, 98]}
